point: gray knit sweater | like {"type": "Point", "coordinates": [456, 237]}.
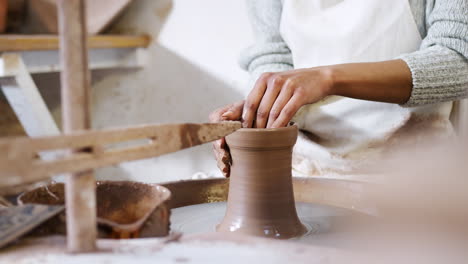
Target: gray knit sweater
{"type": "Point", "coordinates": [439, 68]}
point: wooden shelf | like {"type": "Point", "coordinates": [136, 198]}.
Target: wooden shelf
{"type": "Point", "coordinates": [51, 42]}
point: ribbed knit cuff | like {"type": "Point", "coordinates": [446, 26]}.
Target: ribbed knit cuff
{"type": "Point", "coordinates": [265, 53]}
{"type": "Point", "coordinates": [439, 75]}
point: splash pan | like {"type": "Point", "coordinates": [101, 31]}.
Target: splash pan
{"type": "Point", "coordinates": [124, 209]}
{"type": "Point", "coordinates": [124, 206]}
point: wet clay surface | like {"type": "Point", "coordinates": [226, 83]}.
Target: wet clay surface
{"type": "Point", "coordinates": [325, 224]}
{"type": "Point", "coordinates": [261, 198]}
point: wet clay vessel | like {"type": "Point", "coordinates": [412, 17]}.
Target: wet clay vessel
{"type": "Point", "coordinates": [261, 198]}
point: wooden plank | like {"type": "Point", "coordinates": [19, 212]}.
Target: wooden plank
{"type": "Point", "coordinates": [80, 188]}
{"type": "Point", "coordinates": [45, 61]}
{"type": "Point", "coordinates": [10, 126]}
{"type": "Point", "coordinates": [100, 13]}
{"type": "Point", "coordinates": [26, 100]}
{"type": "Point", "coordinates": [18, 164]}
{"type": "Point", "coordinates": [51, 42]}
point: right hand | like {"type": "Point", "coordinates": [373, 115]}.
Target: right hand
{"type": "Point", "coordinates": [231, 112]}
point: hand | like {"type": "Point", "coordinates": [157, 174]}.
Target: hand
{"type": "Point", "coordinates": [276, 97]}
{"type": "Point", "coordinates": [232, 112]}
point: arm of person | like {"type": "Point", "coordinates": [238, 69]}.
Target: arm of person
{"type": "Point", "coordinates": [440, 67]}
{"type": "Point", "coordinates": [276, 97]}
{"type": "Point", "coordinates": [269, 53]}
{"type": "Point", "coordinates": [438, 72]}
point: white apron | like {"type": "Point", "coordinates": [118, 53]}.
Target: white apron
{"type": "Point", "coordinates": [342, 134]}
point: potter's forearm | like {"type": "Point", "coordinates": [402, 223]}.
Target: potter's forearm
{"type": "Point", "coordinates": [276, 97]}
{"type": "Point", "coordinates": [388, 81]}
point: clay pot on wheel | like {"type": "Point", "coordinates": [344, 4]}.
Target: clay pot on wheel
{"type": "Point", "coordinates": [261, 198]}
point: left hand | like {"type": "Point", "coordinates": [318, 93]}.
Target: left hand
{"type": "Point", "coordinates": [276, 97]}
{"type": "Point", "coordinates": [221, 151]}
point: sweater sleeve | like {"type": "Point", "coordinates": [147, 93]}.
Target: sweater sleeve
{"type": "Point", "coordinates": [440, 68]}
{"type": "Point", "coordinates": [269, 53]}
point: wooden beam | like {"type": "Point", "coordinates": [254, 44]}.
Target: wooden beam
{"type": "Point", "coordinates": [51, 42]}
{"type": "Point", "coordinates": [80, 188]}
{"type": "Point", "coordinates": [19, 163]}
{"type": "Point", "coordinates": [25, 98]}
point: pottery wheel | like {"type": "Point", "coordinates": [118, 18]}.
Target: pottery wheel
{"type": "Point", "coordinates": [324, 223]}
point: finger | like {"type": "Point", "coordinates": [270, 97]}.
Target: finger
{"type": "Point", "coordinates": [218, 151]}
{"type": "Point", "coordinates": [280, 102]}
{"type": "Point", "coordinates": [274, 86]}
{"type": "Point", "coordinates": [227, 163]}
{"type": "Point", "coordinates": [234, 112]}
{"type": "Point", "coordinates": [253, 100]}
{"type": "Point", "coordinates": [219, 144]}
{"type": "Point", "coordinates": [224, 162]}
{"type": "Point", "coordinates": [220, 156]}
{"type": "Point", "coordinates": [288, 111]}
{"type": "Point", "coordinates": [217, 115]}
{"type": "Point", "coordinates": [222, 143]}
{"type": "Point", "coordinates": [221, 153]}
{"type": "Point", "coordinates": [225, 169]}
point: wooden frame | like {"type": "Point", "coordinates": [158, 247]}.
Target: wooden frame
{"type": "Point", "coordinates": [80, 188]}
{"type": "Point", "coordinates": [50, 42]}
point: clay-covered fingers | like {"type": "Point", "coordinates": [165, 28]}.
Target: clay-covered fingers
{"type": "Point", "coordinates": [276, 97]}
{"type": "Point", "coordinates": [266, 101]}
{"type": "Point", "coordinates": [231, 112]}
{"type": "Point", "coordinates": [283, 98]}
{"type": "Point", "coordinates": [234, 112]}
{"type": "Point", "coordinates": [216, 115]}
{"type": "Point", "coordinates": [253, 100]}
{"type": "Point", "coordinates": [223, 158]}
{"type": "Point", "coordinates": [218, 145]}
{"type": "Point", "coordinates": [288, 111]}
{"type": "Point", "coordinates": [274, 87]}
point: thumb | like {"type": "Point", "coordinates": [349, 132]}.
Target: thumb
{"type": "Point", "coordinates": [234, 112]}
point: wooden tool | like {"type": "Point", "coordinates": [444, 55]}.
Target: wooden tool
{"type": "Point", "coordinates": [19, 162]}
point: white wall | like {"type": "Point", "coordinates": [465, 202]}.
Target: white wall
{"type": "Point", "coordinates": [191, 70]}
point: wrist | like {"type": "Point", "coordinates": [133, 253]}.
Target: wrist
{"type": "Point", "coordinates": [386, 81]}
{"type": "Point", "coordinates": [330, 77]}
